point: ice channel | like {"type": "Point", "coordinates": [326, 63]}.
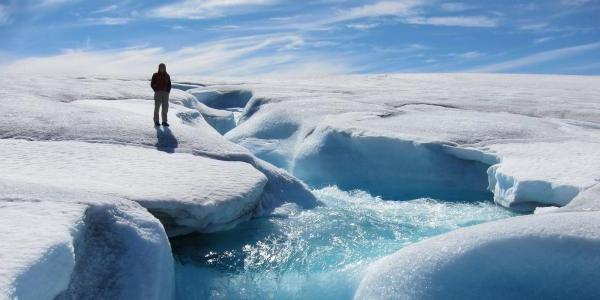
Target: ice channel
{"type": "Point", "coordinates": [324, 252]}
{"type": "Point", "coordinates": [318, 253]}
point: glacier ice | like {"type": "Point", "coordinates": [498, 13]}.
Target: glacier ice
{"type": "Point", "coordinates": [543, 173]}
{"type": "Point", "coordinates": [168, 185]}
{"type": "Point", "coordinates": [536, 137]}
{"type": "Point", "coordinates": [397, 134]}
{"type": "Point", "coordinates": [80, 109]}
{"type": "Point", "coordinates": [530, 140]}
{"type": "Point", "coordinates": [531, 257]}
{"type": "Point", "coordinates": [89, 144]}
{"type": "Point", "coordinates": [391, 167]}
{"type": "Point", "coordinates": [87, 244]}
{"type": "Point", "coordinates": [30, 256]}
{"type": "Point", "coordinates": [221, 97]}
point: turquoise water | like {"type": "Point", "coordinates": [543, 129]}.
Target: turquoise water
{"type": "Point", "coordinates": [319, 253]}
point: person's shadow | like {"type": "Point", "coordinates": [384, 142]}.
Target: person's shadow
{"type": "Point", "coordinates": [166, 141]}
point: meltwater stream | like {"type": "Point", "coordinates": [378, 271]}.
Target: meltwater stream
{"type": "Point", "coordinates": [318, 253]}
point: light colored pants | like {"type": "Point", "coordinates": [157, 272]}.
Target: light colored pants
{"type": "Point", "coordinates": [161, 98]}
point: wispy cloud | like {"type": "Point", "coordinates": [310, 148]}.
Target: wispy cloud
{"type": "Point", "coordinates": [295, 42]}
{"type": "Point", "coordinates": [574, 2]}
{"type": "Point", "coordinates": [224, 27]}
{"type": "Point", "coordinates": [42, 4]}
{"type": "Point", "coordinates": [455, 6]}
{"type": "Point", "coordinates": [406, 49]}
{"type": "Point", "coordinates": [543, 39]}
{"type": "Point", "coordinates": [409, 12]}
{"type": "Point", "coordinates": [537, 58]}
{"type": "Point", "coordinates": [362, 26]}
{"type": "Point", "coordinates": [205, 9]}
{"type": "Point", "coordinates": [250, 55]}
{"type": "Point", "coordinates": [470, 55]}
{"type": "Point", "coordinates": [109, 21]}
{"type": "Point", "coordinates": [399, 8]}
{"type": "Point", "coordinates": [383, 8]}
{"type": "Point", "coordinates": [244, 36]}
{"type": "Point", "coordinates": [106, 9]}
{"type": "Point", "coordinates": [4, 15]}
{"type": "Point", "coordinates": [534, 27]}
{"type": "Point", "coordinates": [461, 21]}
{"type": "Point", "coordinates": [403, 11]}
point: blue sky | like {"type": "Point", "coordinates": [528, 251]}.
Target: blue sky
{"type": "Point", "coordinates": [257, 37]}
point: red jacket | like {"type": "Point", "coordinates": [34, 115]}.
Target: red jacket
{"type": "Point", "coordinates": [161, 82]}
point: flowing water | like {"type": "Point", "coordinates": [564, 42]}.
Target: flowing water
{"type": "Point", "coordinates": [318, 253]}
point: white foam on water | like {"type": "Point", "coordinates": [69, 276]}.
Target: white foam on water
{"type": "Point", "coordinates": [315, 253]}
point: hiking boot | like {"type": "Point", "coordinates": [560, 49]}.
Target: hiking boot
{"type": "Point", "coordinates": [165, 124]}
{"type": "Point", "coordinates": [156, 124]}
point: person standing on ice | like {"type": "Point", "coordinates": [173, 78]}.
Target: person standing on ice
{"type": "Point", "coordinates": [161, 84]}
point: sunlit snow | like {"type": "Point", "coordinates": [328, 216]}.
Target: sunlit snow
{"type": "Point", "coordinates": [370, 186]}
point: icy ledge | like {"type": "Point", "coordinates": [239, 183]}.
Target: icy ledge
{"type": "Point", "coordinates": [538, 174]}
{"type": "Point", "coordinates": [400, 135]}
{"type": "Point", "coordinates": [521, 174]}
{"type": "Point", "coordinates": [187, 192]}
{"type": "Point", "coordinates": [67, 244]}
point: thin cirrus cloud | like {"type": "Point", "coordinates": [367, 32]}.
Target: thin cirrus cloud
{"type": "Point", "coordinates": [455, 6]}
{"type": "Point", "coordinates": [574, 2]}
{"type": "Point", "coordinates": [362, 26]}
{"type": "Point", "coordinates": [534, 27]}
{"type": "Point", "coordinates": [460, 21]}
{"type": "Point", "coordinates": [537, 58]}
{"type": "Point", "coordinates": [205, 9]}
{"type": "Point", "coordinates": [399, 8]}
{"type": "Point", "coordinates": [248, 37]}
{"type": "Point", "coordinates": [470, 55]}
{"type": "Point", "coordinates": [409, 12]}
{"type": "Point", "coordinates": [42, 4]}
{"type": "Point", "coordinates": [4, 15]}
{"type": "Point", "coordinates": [106, 9]}
{"type": "Point", "coordinates": [109, 21]}
{"type": "Point", "coordinates": [405, 11]}
{"type": "Point", "coordinates": [252, 55]}
{"type": "Point", "coordinates": [543, 39]}
{"type": "Point", "coordinates": [393, 8]}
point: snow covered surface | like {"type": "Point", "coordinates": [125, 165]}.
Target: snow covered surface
{"type": "Point", "coordinates": [549, 256]}
{"type": "Point", "coordinates": [61, 243]}
{"type": "Point", "coordinates": [80, 158]}
{"type": "Point", "coordinates": [543, 172]}
{"type": "Point", "coordinates": [399, 135]}
{"type": "Point", "coordinates": [115, 111]}
{"type": "Point", "coordinates": [187, 192]}
{"type": "Point", "coordinates": [81, 155]}
{"type": "Point", "coordinates": [587, 200]}
{"type": "Point", "coordinates": [30, 253]}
